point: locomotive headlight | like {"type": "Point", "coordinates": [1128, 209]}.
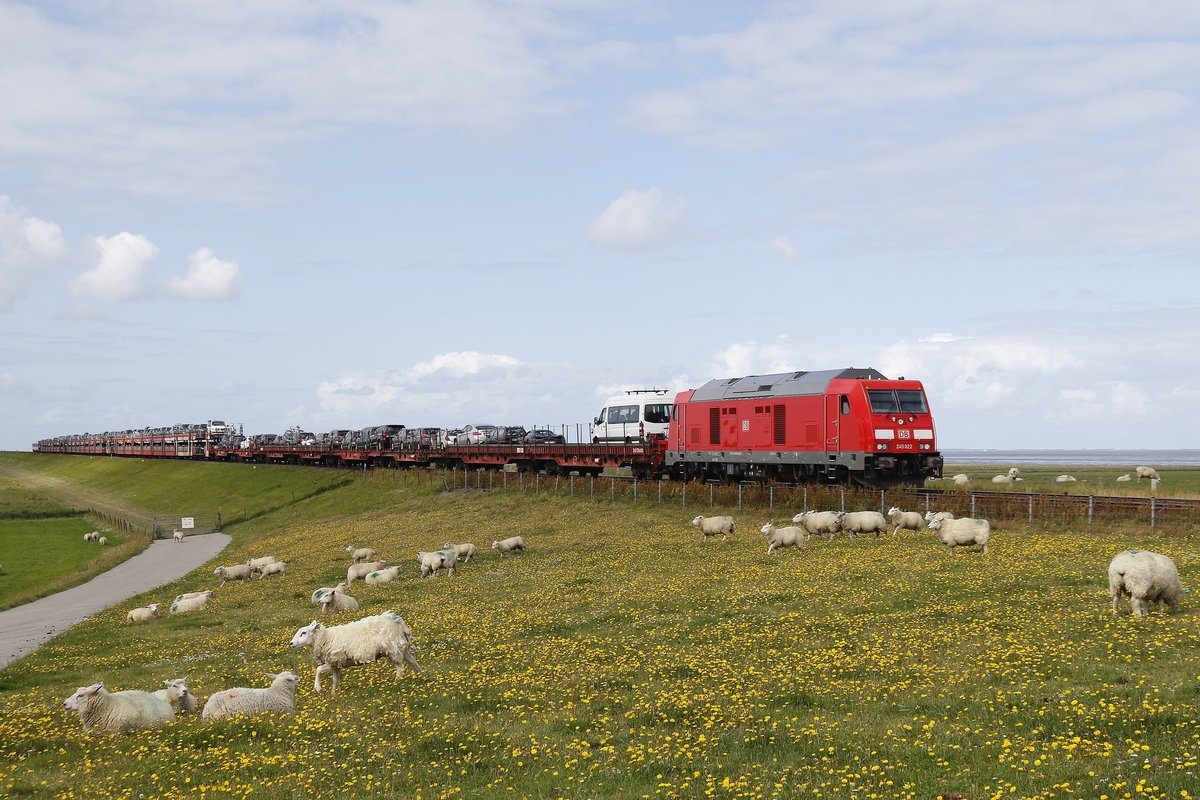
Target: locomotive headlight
{"type": "Point", "coordinates": [881, 445]}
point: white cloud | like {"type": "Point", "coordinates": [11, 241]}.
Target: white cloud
{"type": "Point", "coordinates": [638, 221]}
{"type": "Point", "coordinates": [207, 278]}
{"type": "Point", "coordinates": [783, 245]}
{"type": "Point", "coordinates": [29, 249]}
{"type": "Point", "coordinates": [940, 338]}
{"type": "Point", "coordinates": [120, 268]}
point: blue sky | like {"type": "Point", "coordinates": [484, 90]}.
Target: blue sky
{"type": "Point", "coordinates": [339, 214]}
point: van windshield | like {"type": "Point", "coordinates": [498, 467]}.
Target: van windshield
{"type": "Point", "coordinates": [618, 415]}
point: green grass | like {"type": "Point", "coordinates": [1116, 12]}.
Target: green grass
{"type": "Point", "coordinates": [19, 502]}
{"type": "Point", "coordinates": [622, 657]}
{"type": "Point", "coordinates": [1089, 479]}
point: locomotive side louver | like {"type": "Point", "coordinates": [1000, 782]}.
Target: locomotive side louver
{"type": "Point", "coordinates": [714, 426]}
{"type": "Point", "coordinates": [780, 412]}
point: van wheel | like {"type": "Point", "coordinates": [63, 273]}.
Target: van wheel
{"type": "Point", "coordinates": [628, 440]}
{"type": "Point", "coordinates": [595, 440]}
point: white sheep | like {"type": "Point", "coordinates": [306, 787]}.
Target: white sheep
{"type": "Point", "coordinates": [714, 526]}
{"type": "Point", "coordinates": [324, 590]}
{"type": "Point", "coordinates": [905, 520]}
{"type": "Point", "coordinates": [1065, 479]}
{"type": "Point", "coordinates": [336, 602]}
{"type": "Point", "coordinates": [361, 642]}
{"type": "Point", "coordinates": [508, 545]}
{"type": "Point", "coordinates": [961, 479]}
{"type": "Point", "coordinates": [195, 603]}
{"type": "Point", "coordinates": [278, 698]}
{"type": "Point", "coordinates": [178, 696]}
{"type": "Point", "coordinates": [238, 572]}
{"type": "Point", "coordinates": [118, 712]}
{"type": "Point", "coordinates": [1147, 472]}
{"type": "Point", "coordinates": [356, 571]}
{"type": "Point", "coordinates": [360, 553]}
{"type": "Point", "coordinates": [1003, 479]}
{"type": "Point", "coordinates": [962, 532]}
{"type": "Point", "coordinates": [92, 537]}
{"type": "Point", "coordinates": [177, 535]}
{"type": "Point", "coordinates": [856, 522]}
{"type": "Point", "coordinates": [438, 559]}
{"type": "Point", "coordinates": [777, 538]}
{"type": "Point", "coordinates": [190, 595]}
{"type": "Point", "coordinates": [256, 564]}
{"type": "Point", "coordinates": [143, 614]}
{"type": "Point", "coordinates": [1145, 578]}
{"type": "Point", "coordinates": [274, 568]}
{"type": "Point", "coordinates": [818, 523]}
{"type": "Point", "coordinates": [465, 551]}
{"type": "Point", "coordinates": [930, 516]}
{"type": "Point", "coordinates": [103, 540]}
{"type": "Point", "coordinates": [1123, 478]}
{"type": "Point", "coordinates": [385, 575]}
{"type": "Point", "coordinates": [1013, 472]}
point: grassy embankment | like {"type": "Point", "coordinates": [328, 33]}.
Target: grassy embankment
{"type": "Point", "coordinates": [622, 657]}
{"type": "Point", "coordinates": [1183, 482]}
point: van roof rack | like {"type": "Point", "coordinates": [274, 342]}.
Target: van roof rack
{"type": "Point", "coordinates": [645, 391]}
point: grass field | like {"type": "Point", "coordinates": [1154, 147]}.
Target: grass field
{"type": "Point", "coordinates": [621, 657]}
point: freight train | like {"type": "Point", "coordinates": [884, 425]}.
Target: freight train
{"type": "Point", "coordinates": [831, 426]}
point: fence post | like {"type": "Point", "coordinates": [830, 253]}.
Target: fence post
{"type": "Point", "coordinates": [1091, 504]}
{"type": "Point", "coordinates": [612, 489]}
{"type": "Point", "coordinates": [1031, 512]}
{"type": "Point", "coordinates": [806, 498]}
{"type": "Point", "coordinates": [1152, 515]}
{"type": "Point", "coordinates": [739, 495]}
{"type": "Point", "coordinates": [882, 504]}
{"type": "Point", "coordinates": [660, 483]}
{"type": "Point", "coordinates": [710, 495]}
{"type": "Point", "coordinates": [683, 494]}
{"type": "Point", "coordinates": [635, 489]}
{"type": "Point", "coordinates": [771, 497]}
{"type": "Point", "coordinates": [842, 492]}
{"type": "Point", "coordinates": [972, 504]}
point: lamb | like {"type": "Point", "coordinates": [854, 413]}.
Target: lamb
{"type": "Point", "coordinates": [790, 536]}
{"type": "Point", "coordinates": [1144, 577]}
{"type": "Point", "coordinates": [930, 516]}
{"type": "Point", "coordinates": [465, 551]}
{"type": "Point", "coordinates": [362, 642]}
{"type": "Point", "coordinates": [714, 526]}
{"type": "Point", "coordinates": [178, 696]}
{"type": "Point", "coordinates": [256, 564]}
{"type": "Point", "coordinates": [508, 545]}
{"type": "Point", "coordinates": [118, 712]}
{"type": "Point", "coordinates": [324, 590]}
{"type": "Point", "coordinates": [143, 614]}
{"type": "Point", "coordinates": [855, 522]}
{"type": "Point", "coordinates": [962, 532]}
{"type": "Point", "coordinates": [961, 479]}
{"type": "Point", "coordinates": [274, 568]}
{"type": "Point", "coordinates": [816, 523]}
{"type": "Point", "coordinates": [1065, 479]}
{"type": "Point", "coordinates": [905, 520]}
{"type": "Point", "coordinates": [278, 698]}
{"type": "Point", "coordinates": [196, 603]}
{"type": "Point", "coordinates": [1147, 472]}
{"type": "Point", "coordinates": [238, 572]}
{"type": "Point", "coordinates": [360, 553]}
{"type": "Point", "coordinates": [386, 575]}
{"type": "Point", "coordinates": [103, 540]}
{"type": "Point", "coordinates": [362, 570]}
{"type": "Point", "coordinates": [177, 535]}
{"type": "Point", "coordinates": [335, 602]}
{"type": "Point", "coordinates": [438, 559]}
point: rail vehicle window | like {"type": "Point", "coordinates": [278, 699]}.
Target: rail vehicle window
{"type": "Point", "coordinates": [912, 401]}
{"type": "Point", "coordinates": [658, 412]}
{"type": "Point", "coordinates": [845, 404]}
{"type": "Point", "coordinates": [618, 415]}
{"type": "Point", "coordinates": [883, 401]}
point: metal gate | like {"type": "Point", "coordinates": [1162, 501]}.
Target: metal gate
{"type": "Point", "coordinates": [165, 525]}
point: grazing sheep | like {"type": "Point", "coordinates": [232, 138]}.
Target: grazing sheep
{"type": "Point", "coordinates": [143, 614]}
{"type": "Point", "coordinates": [930, 516]}
{"type": "Point", "coordinates": [508, 545]}
{"type": "Point", "coordinates": [178, 696]}
{"type": "Point", "coordinates": [818, 523]}
{"type": "Point", "coordinates": [905, 520]}
{"type": "Point", "coordinates": [714, 526]}
{"type": "Point", "coordinates": [360, 553]}
{"type": "Point", "coordinates": [94, 536]}
{"type": "Point", "coordinates": [103, 540]}
{"type": "Point", "coordinates": [238, 572]}
{"type": "Point", "coordinates": [465, 551]}
{"type": "Point", "coordinates": [856, 522]}
{"type": "Point", "coordinates": [790, 536]}
{"type": "Point", "coordinates": [274, 568]}
{"type": "Point", "coordinates": [118, 712]}
{"type": "Point", "coordinates": [195, 603]}
{"type": "Point", "coordinates": [356, 571]}
{"type": "Point", "coordinates": [962, 532]}
{"type": "Point", "coordinates": [1123, 478]}
{"type": "Point", "coordinates": [1144, 577]}
{"type": "Point", "coordinates": [961, 479]}
{"type": "Point", "coordinates": [1147, 472]}
{"type": "Point", "coordinates": [256, 564]}
{"type": "Point", "coordinates": [386, 575]}
{"type": "Point", "coordinates": [362, 642]}
{"type": "Point", "coordinates": [324, 590]}
{"type": "Point", "coordinates": [438, 559]}
{"type": "Point", "coordinates": [1065, 479]}
{"type": "Point", "coordinates": [335, 602]}
{"type": "Point", "coordinates": [278, 698]}
{"type": "Point", "coordinates": [177, 535]}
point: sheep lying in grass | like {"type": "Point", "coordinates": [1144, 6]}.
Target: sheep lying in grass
{"type": "Point", "coordinates": [278, 698]}
{"type": "Point", "coordinates": [714, 526]}
{"type": "Point", "coordinates": [238, 572]}
{"type": "Point", "coordinates": [465, 551]}
{"type": "Point", "coordinates": [438, 559]}
{"type": "Point", "coordinates": [1123, 478]}
{"type": "Point", "coordinates": [336, 602]}
{"type": "Point", "coordinates": [1146, 578]}
{"type": "Point", "coordinates": [362, 642]}
{"type": "Point", "coordinates": [360, 553]}
{"type": "Point", "coordinates": [178, 696]}
{"type": "Point", "coordinates": [962, 532]}
{"type": "Point", "coordinates": [118, 712]}
{"type": "Point", "coordinates": [274, 568]}
{"type": "Point", "coordinates": [324, 590]}
{"type": "Point", "coordinates": [777, 538]}
{"type": "Point", "coordinates": [905, 520]}
{"type": "Point", "coordinates": [508, 545]}
{"type": "Point", "coordinates": [961, 479]}
{"type": "Point", "coordinates": [385, 575]}
{"type": "Point", "coordinates": [196, 602]}
{"type": "Point", "coordinates": [143, 614]}
{"type": "Point", "coordinates": [177, 535]}
{"type": "Point", "coordinates": [1147, 472]}
{"type": "Point", "coordinates": [818, 523]}
{"type": "Point", "coordinates": [356, 571]}
{"type": "Point", "coordinates": [856, 522]}
{"type": "Point", "coordinates": [1065, 479]}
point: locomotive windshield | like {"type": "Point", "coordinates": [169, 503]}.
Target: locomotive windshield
{"type": "Point", "coordinates": [912, 401]}
{"type": "Point", "coordinates": [883, 401]}
{"type": "Point", "coordinates": [898, 401]}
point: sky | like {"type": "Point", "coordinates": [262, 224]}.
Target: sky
{"type": "Point", "coordinates": [441, 212]}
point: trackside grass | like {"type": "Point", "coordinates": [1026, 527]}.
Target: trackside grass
{"type": "Point", "coordinates": [622, 657]}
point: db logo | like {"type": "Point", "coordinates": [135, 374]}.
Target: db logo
{"type": "Point", "coordinates": [904, 433]}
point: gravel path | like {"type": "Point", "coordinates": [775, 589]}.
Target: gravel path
{"type": "Point", "coordinates": [25, 628]}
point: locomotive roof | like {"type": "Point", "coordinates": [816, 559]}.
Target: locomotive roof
{"type": "Point", "coordinates": [781, 384]}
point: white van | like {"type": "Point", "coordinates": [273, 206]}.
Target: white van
{"type": "Point", "coordinates": [636, 416]}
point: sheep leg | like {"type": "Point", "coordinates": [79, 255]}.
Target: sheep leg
{"type": "Point", "coordinates": [1116, 596]}
{"type": "Point", "coordinates": [1139, 605]}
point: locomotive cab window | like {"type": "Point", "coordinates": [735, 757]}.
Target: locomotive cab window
{"type": "Point", "coordinates": [912, 401]}
{"type": "Point", "coordinates": [845, 404]}
{"type": "Point", "coordinates": [883, 401]}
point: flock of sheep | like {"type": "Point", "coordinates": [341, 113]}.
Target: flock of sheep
{"type": "Point", "coordinates": [1014, 474]}
{"type": "Point", "coordinates": [333, 648]}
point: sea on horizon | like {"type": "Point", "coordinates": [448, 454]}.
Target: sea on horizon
{"type": "Point", "coordinates": [1128, 458]}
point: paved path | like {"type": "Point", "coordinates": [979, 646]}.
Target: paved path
{"type": "Point", "coordinates": [25, 628]}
